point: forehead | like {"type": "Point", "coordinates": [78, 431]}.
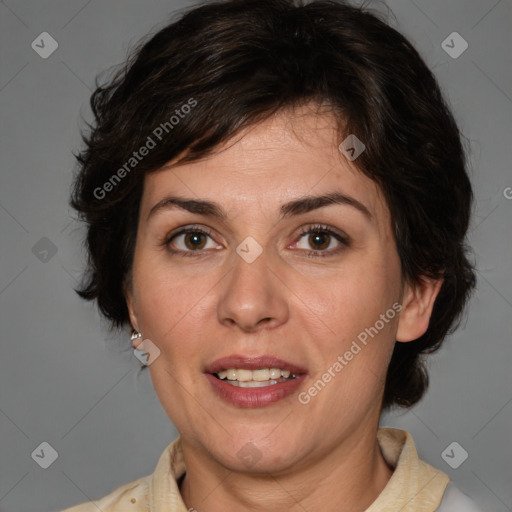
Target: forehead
{"type": "Point", "coordinates": [289, 155]}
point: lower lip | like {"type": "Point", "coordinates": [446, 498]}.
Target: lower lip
{"type": "Point", "coordinates": [254, 397]}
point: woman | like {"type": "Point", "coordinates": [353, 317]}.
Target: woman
{"type": "Point", "coordinates": [277, 203]}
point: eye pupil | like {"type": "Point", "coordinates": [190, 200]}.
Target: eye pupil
{"type": "Point", "coordinates": [195, 240]}
{"type": "Point", "coordinates": [319, 238]}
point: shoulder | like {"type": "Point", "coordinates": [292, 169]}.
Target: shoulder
{"type": "Point", "coordinates": [133, 496]}
{"type": "Point", "coordinates": [455, 500]}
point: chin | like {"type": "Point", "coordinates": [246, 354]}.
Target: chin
{"type": "Point", "coordinates": [256, 454]}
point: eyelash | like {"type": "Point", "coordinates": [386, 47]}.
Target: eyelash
{"type": "Point", "coordinates": [316, 228]}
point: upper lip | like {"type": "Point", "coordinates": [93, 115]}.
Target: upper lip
{"type": "Point", "coordinates": [252, 363]}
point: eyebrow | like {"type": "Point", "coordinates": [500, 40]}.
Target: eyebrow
{"type": "Point", "coordinates": [296, 207]}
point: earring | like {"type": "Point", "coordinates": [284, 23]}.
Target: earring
{"type": "Point", "coordinates": [136, 335]}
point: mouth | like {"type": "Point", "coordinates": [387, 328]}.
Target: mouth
{"type": "Point", "coordinates": [254, 381]}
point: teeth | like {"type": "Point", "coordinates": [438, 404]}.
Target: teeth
{"type": "Point", "coordinates": [243, 375]}
{"type": "Point", "coordinates": [254, 378]}
{"type": "Point", "coordinates": [275, 373]}
{"type": "Point", "coordinates": [262, 375]}
{"type": "Point", "coordinates": [253, 383]}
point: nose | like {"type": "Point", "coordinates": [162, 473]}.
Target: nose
{"type": "Point", "coordinates": [253, 296]}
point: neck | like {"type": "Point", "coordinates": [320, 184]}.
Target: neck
{"type": "Point", "coordinates": [348, 478]}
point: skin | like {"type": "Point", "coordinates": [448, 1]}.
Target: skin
{"type": "Point", "coordinates": [305, 309]}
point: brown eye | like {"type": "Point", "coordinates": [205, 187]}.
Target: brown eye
{"type": "Point", "coordinates": [189, 241]}
{"type": "Point", "coordinates": [319, 240]}
{"type": "Point", "coordinates": [195, 240]}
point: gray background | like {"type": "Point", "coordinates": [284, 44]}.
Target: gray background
{"type": "Point", "coordinates": [65, 380]}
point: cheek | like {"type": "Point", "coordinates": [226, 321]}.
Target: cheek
{"type": "Point", "coordinates": [353, 297]}
{"type": "Point", "coordinates": [357, 311]}
{"type": "Point", "coordinates": [165, 296]}
{"type": "Point", "coordinates": [169, 307]}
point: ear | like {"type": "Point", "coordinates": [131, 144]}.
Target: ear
{"type": "Point", "coordinates": [132, 308]}
{"type": "Point", "coordinates": [418, 302]}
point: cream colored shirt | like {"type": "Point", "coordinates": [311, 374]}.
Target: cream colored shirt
{"type": "Point", "coordinates": [414, 486]}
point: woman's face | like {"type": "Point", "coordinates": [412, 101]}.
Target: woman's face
{"type": "Point", "coordinates": [301, 284]}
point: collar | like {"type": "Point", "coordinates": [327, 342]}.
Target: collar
{"type": "Point", "coordinates": [414, 486]}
